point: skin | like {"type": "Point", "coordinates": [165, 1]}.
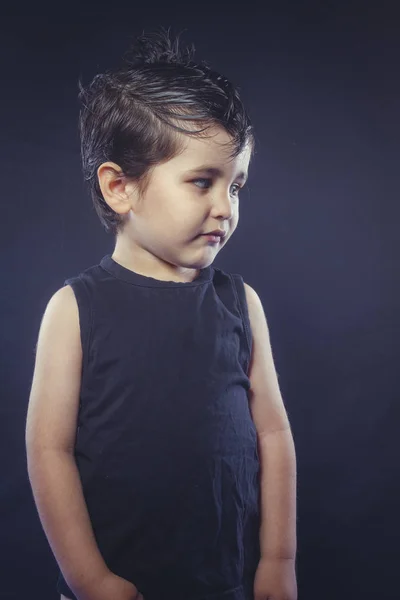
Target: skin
{"type": "Point", "coordinates": [160, 238]}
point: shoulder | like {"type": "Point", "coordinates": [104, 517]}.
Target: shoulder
{"type": "Point", "coordinates": [60, 318]}
{"type": "Point", "coordinates": [62, 302]}
{"type": "Point", "coordinates": [251, 294]}
{"type": "Point", "coordinates": [60, 321]}
{"type": "Point", "coordinates": [256, 311]}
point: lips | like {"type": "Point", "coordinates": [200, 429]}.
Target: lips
{"type": "Point", "coordinates": [219, 234]}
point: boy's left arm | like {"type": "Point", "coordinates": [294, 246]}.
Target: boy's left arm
{"type": "Point", "coordinates": [275, 578]}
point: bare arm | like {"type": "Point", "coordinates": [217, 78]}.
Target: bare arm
{"type": "Point", "coordinates": [50, 437]}
{"type": "Point", "coordinates": [278, 494]}
{"type": "Point", "coordinates": [276, 445]}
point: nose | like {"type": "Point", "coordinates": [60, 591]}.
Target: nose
{"type": "Point", "coordinates": [223, 206]}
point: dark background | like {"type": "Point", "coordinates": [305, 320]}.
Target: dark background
{"type": "Point", "coordinates": [318, 240]}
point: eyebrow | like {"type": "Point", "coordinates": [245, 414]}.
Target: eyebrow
{"type": "Point", "coordinates": [216, 172]}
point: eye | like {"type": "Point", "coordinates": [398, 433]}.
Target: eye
{"type": "Point", "coordinates": [209, 181]}
{"type": "Point", "coordinates": [238, 188]}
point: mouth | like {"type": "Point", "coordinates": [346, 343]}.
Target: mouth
{"type": "Point", "coordinates": [220, 233]}
{"type": "Point", "coordinates": [212, 237]}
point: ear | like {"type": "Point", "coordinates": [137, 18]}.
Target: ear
{"type": "Point", "coordinates": [118, 191]}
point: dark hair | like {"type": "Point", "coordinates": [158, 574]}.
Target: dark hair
{"type": "Point", "coordinates": [129, 116]}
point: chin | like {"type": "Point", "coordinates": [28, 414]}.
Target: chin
{"type": "Point", "coordinates": [203, 263]}
{"type": "Point", "coordinates": [208, 261]}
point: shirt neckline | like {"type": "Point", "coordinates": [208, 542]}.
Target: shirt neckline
{"type": "Point", "coordinates": [125, 274]}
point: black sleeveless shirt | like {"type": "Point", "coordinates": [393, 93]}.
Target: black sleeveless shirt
{"type": "Point", "coordinates": [166, 447]}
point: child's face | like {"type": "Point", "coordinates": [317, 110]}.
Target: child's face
{"type": "Point", "coordinates": [179, 205]}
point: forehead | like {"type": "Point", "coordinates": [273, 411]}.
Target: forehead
{"type": "Point", "coordinates": [213, 149]}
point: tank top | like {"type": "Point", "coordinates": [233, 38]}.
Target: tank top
{"type": "Point", "coordinates": [165, 447]}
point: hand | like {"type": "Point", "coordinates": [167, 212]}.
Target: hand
{"type": "Point", "coordinates": [111, 587]}
{"type": "Point", "coordinates": [275, 579]}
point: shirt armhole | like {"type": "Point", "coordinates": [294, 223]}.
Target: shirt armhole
{"type": "Point", "coordinates": [240, 294]}
{"type": "Point", "coordinates": [85, 316]}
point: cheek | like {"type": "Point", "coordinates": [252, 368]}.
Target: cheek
{"type": "Point", "coordinates": [235, 218]}
{"type": "Point", "coordinates": [177, 220]}
{"type": "Point", "coordinates": [185, 210]}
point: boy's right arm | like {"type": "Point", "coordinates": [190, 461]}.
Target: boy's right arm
{"type": "Point", "coordinates": [50, 438]}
